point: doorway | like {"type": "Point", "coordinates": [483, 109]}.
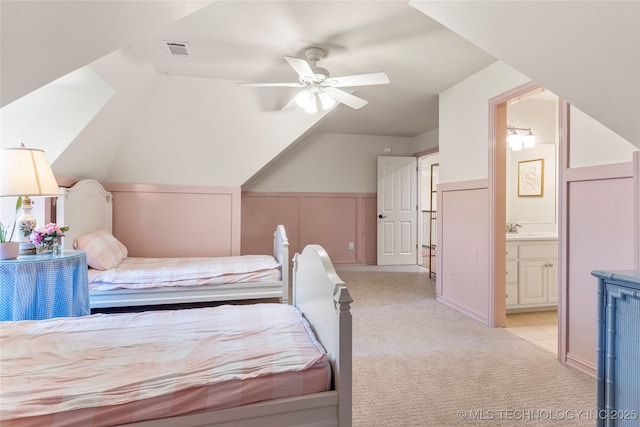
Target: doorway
{"type": "Point", "coordinates": [397, 207]}
{"type": "Point", "coordinates": [522, 284]}
{"type": "Point", "coordinates": [428, 172]}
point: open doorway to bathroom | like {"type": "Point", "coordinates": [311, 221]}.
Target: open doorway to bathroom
{"type": "Point", "coordinates": [524, 194]}
{"type": "Point", "coordinates": [532, 217]}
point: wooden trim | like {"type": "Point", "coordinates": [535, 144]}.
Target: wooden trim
{"type": "Point", "coordinates": [304, 194]}
{"type": "Point", "coordinates": [594, 173]}
{"type": "Point", "coordinates": [462, 309]}
{"type": "Point", "coordinates": [563, 229]}
{"type": "Point", "coordinates": [440, 190]}
{"type": "Point", "coordinates": [162, 188]}
{"type": "Point", "coordinates": [475, 184]}
{"type": "Point", "coordinates": [427, 152]}
{"type": "Point", "coordinates": [581, 365]}
{"type": "Point", "coordinates": [497, 244]}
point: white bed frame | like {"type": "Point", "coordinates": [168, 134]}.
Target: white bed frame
{"type": "Point", "coordinates": [325, 301]}
{"type": "Point", "coordinates": [87, 207]}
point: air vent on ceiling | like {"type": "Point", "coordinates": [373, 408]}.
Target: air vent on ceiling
{"type": "Point", "coordinates": [180, 49]}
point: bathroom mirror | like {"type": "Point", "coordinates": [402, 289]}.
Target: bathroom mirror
{"type": "Point", "coordinates": [536, 204]}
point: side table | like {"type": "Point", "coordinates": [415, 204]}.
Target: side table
{"type": "Point", "coordinates": [36, 287]}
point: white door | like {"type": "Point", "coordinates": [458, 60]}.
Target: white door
{"type": "Point", "coordinates": [397, 210]}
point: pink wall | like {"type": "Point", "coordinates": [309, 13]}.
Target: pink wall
{"type": "Point", "coordinates": [600, 237]}
{"type": "Point", "coordinates": [463, 233]}
{"type": "Point", "coordinates": [329, 219]}
{"type": "Point", "coordinates": [174, 221]}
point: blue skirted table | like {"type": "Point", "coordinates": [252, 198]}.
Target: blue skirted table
{"type": "Point", "coordinates": [35, 287]}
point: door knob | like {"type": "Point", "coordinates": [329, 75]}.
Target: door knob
{"type": "Point", "coordinates": [382, 216]}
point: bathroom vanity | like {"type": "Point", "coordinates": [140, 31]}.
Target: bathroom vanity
{"type": "Point", "coordinates": [532, 272]}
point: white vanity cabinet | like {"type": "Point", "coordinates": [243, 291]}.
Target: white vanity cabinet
{"type": "Point", "coordinates": [532, 273]}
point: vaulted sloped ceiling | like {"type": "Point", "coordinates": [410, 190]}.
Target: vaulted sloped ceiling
{"type": "Point", "coordinates": [42, 41]}
{"type": "Point", "coordinates": [587, 52]}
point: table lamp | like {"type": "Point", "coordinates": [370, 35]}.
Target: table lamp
{"type": "Point", "coordinates": [26, 172]}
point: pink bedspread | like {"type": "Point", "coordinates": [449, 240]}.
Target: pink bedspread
{"type": "Point", "coordinates": [75, 366]}
{"type": "Point", "coordinates": [138, 273]}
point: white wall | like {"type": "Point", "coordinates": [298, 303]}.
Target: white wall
{"type": "Point", "coordinates": [51, 117]}
{"type": "Point", "coordinates": [327, 162]}
{"type": "Point", "coordinates": [90, 153]}
{"type": "Point", "coordinates": [593, 144]}
{"type": "Point", "coordinates": [215, 145]}
{"type": "Point", "coordinates": [587, 52]}
{"type": "Point", "coordinates": [464, 122]}
{"type": "Point", "coordinates": [426, 140]}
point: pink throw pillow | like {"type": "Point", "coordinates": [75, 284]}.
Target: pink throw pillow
{"type": "Point", "coordinates": [103, 251]}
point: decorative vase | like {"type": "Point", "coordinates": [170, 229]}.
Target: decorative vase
{"type": "Point", "coordinates": [9, 250]}
{"type": "Point", "coordinates": [51, 247]}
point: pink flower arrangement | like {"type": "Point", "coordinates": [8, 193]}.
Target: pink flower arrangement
{"type": "Point", "coordinates": [47, 235]}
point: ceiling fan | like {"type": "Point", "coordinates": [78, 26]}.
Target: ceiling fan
{"type": "Point", "coordinates": [321, 90]}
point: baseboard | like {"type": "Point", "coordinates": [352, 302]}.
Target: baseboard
{"type": "Point", "coordinates": [581, 365]}
{"type": "Point", "coordinates": [455, 306]}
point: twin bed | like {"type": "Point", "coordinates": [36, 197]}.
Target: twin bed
{"type": "Point", "coordinates": [264, 364]}
{"type": "Point", "coordinates": [116, 280]}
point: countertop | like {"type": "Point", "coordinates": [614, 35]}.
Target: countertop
{"type": "Point", "coordinates": [531, 236]}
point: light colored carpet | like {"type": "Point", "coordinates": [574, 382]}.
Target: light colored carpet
{"type": "Point", "coordinates": [417, 362]}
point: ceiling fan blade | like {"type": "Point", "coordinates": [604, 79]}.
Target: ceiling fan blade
{"type": "Point", "coordinates": [346, 98]}
{"type": "Point", "coordinates": [271, 84]}
{"type": "Point", "coordinates": [301, 66]}
{"type": "Point", "coordinates": [380, 78]}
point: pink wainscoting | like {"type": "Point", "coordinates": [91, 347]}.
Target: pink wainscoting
{"type": "Point", "coordinates": [463, 236]}
{"type": "Point", "coordinates": [600, 237]}
{"type": "Point", "coordinates": [261, 214]}
{"type": "Point", "coordinates": [328, 219]}
{"type": "Point", "coordinates": [175, 221]}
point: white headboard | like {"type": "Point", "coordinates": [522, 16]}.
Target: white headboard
{"type": "Point", "coordinates": [83, 208]}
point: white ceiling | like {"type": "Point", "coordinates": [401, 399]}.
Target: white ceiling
{"type": "Point", "coordinates": [247, 41]}
{"type": "Point", "coordinates": [587, 52]}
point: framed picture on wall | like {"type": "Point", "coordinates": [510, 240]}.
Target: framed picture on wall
{"type": "Point", "coordinates": [531, 178]}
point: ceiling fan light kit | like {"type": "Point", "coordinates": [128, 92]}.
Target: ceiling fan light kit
{"type": "Point", "coordinates": [320, 89]}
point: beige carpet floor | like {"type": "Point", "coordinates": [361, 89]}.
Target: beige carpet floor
{"type": "Point", "coordinates": [417, 362]}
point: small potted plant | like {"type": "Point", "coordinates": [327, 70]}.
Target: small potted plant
{"type": "Point", "coordinates": [8, 248]}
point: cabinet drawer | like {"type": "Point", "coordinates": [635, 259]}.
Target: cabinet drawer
{"type": "Point", "coordinates": [538, 251]}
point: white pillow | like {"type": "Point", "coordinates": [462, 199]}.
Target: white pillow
{"type": "Point", "coordinates": [103, 251]}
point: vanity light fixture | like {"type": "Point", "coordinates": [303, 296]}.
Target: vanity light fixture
{"type": "Point", "coordinates": [517, 141]}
